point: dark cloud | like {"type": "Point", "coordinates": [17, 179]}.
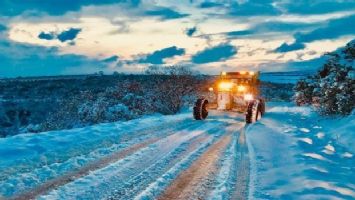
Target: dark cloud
{"type": "Point", "coordinates": [283, 26]}
{"type": "Point", "coordinates": [2, 28]}
{"type": "Point", "coordinates": [253, 8]}
{"type": "Point", "coordinates": [240, 33]}
{"type": "Point", "coordinates": [292, 47]}
{"type": "Point", "coordinates": [158, 56]}
{"type": "Point", "coordinates": [64, 36]}
{"type": "Point", "coordinates": [333, 29]}
{"type": "Point", "coordinates": [19, 59]}
{"type": "Point", "coordinates": [218, 53]}
{"type": "Point", "coordinates": [165, 13]}
{"type": "Point", "coordinates": [47, 36]}
{"type": "Point", "coordinates": [69, 34]}
{"type": "Point", "coordinates": [191, 31]}
{"type": "Point", "coordinates": [274, 26]}
{"type": "Point", "coordinates": [110, 59]}
{"type": "Point", "coordinates": [52, 7]}
{"type": "Point", "coordinates": [209, 4]}
{"type": "Point", "coordinates": [317, 6]}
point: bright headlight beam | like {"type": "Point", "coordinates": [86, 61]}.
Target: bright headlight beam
{"type": "Point", "coordinates": [241, 88]}
{"type": "Point", "coordinates": [225, 85]}
{"type": "Point", "coordinates": [248, 97]}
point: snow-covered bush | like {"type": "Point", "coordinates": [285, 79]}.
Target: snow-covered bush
{"type": "Point", "coordinates": [332, 89]}
{"type": "Point", "coordinates": [118, 112]}
{"type": "Point", "coordinates": [171, 85]}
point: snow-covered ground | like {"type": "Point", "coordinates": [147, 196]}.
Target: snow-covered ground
{"type": "Point", "coordinates": [122, 160]}
{"type": "Point", "coordinates": [298, 155]}
{"type": "Point", "coordinates": [291, 153]}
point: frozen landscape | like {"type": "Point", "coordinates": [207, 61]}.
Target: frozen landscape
{"type": "Point", "coordinates": [291, 153]}
{"type": "Point", "coordinates": [177, 100]}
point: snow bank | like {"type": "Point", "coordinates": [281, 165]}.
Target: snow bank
{"type": "Point", "coordinates": [342, 130]}
{"type": "Point", "coordinates": [299, 155]}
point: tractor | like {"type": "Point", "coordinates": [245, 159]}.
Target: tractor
{"type": "Point", "coordinates": [233, 91]}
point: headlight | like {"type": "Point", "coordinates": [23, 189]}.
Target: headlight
{"type": "Point", "coordinates": [241, 88]}
{"type": "Point", "coordinates": [225, 85]}
{"type": "Point", "coordinates": [210, 89]}
{"type": "Point", "coordinates": [248, 97]}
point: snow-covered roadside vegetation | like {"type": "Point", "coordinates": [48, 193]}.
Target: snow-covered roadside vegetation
{"type": "Point", "coordinates": [298, 154]}
{"type": "Point", "coordinates": [54, 103]}
{"type": "Point", "coordinates": [35, 105]}
{"type": "Point", "coordinates": [332, 89]}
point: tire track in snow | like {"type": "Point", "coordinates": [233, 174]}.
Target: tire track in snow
{"type": "Point", "coordinates": [85, 170]}
{"type": "Point", "coordinates": [109, 140]}
{"type": "Point", "coordinates": [241, 190]}
{"type": "Point", "coordinates": [141, 181]}
{"type": "Point", "coordinates": [69, 177]}
{"type": "Point", "coordinates": [195, 182]}
{"type": "Point", "coordinates": [232, 181]}
{"type": "Point", "coordinates": [102, 182]}
{"type": "Point", "coordinates": [226, 177]}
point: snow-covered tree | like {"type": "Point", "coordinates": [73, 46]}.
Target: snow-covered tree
{"type": "Point", "coordinates": [332, 89]}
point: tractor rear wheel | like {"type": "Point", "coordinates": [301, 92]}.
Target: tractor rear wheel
{"type": "Point", "coordinates": [200, 111]}
{"type": "Point", "coordinates": [254, 111]}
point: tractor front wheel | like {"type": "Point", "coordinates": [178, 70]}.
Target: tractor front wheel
{"type": "Point", "coordinates": [254, 111]}
{"type": "Point", "coordinates": [200, 111]}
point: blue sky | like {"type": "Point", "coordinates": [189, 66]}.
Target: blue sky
{"type": "Point", "coordinates": [58, 37]}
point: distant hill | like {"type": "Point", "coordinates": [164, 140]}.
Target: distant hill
{"type": "Point", "coordinates": [284, 77]}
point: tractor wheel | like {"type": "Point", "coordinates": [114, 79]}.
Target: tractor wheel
{"type": "Point", "coordinates": [254, 112]}
{"type": "Point", "coordinates": [200, 111]}
{"type": "Point", "coordinates": [262, 106]}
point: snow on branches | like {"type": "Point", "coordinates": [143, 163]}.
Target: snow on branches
{"type": "Point", "coordinates": [332, 89]}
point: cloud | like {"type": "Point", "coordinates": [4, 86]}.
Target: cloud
{"type": "Point", "coordinates": [165, 13]}
{"type": "Point", "coordinates": [64, 36]}
{"type": "Point", "coordinates": [2, 28]}
{"type": "Point", "coordinates": [122, 26]}
{"type": "Point", "coordinates": [273, 26]}
{"type": "Point", "coordinates": [317, 6]}
{"type": "Point", "coordinates": [158, 56]}
{"type": "Point", "coordinates": [218, 53]}
{"type": "Point", "coordinates": [110, 59]}
{"type": "Point", "coordinates": [289, 47]}
{"type": "Point", "coordinates": [47, 36]}
{"type": "Point", "coordinates": [18, 59]}
{"type": "Point", "coordinates": [53, 7]}
{"type": "Point", "coordinates": [333, 29]}
{"type": "Point", "coordinates": [253, 8]}
{"type": "Point", "coordinates": [209, 4]}
{"type": "Point", "coordinates": [191, 31]}
{"type": "Point", "coordinates": [240, 33]}
{"type": "Point", "coordinates": [69, 34]}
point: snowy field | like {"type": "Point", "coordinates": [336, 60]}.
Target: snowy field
{"type": "Point", "coordinates": [291, 153]}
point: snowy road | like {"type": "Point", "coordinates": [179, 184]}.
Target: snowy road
{"type": "Point", "coordinates": [157, 157]}
{"type": "Point", "coordinates": [291, 153]}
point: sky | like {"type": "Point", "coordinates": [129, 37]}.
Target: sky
{"type": "Point", "coordinates": [62, 37]}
